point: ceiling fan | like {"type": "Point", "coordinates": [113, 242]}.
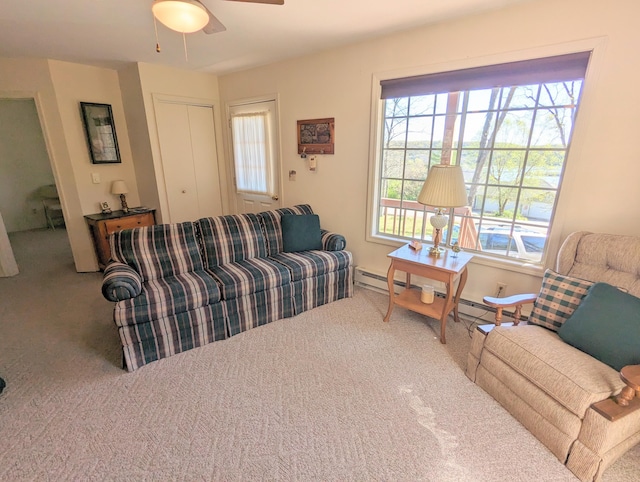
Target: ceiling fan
{"type": "Point", "coordinates": [188, 16]}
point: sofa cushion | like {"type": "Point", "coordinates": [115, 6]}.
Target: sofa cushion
{"type": "Point", "coordinates": [573, 378]}
{"type": "Point", "coordinates": [249, 276]}
{"type": "Point", "coordinates": [168, 296]}
{"type": "Point", "coordinates": [309, 264]}
{"type": "Point", "coordinates": [158, 251]}
{"type": "Point", "coordinates": [229, 239]}
{"type": "Point", "coordinates": [271, 222]}
{"type": "Point", "coordinates": [558, 298]}
{"type": "Point", "coordinates": [300, 232]}
{"type": "Point", "coordinates": [606, 325]}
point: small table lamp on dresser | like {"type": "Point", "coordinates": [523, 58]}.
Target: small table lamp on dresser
{"type": "Point", "coordinates": [119, 187]}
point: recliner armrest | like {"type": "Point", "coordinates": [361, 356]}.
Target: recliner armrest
{"type": "Point", "coordinates": [332, 241]}
{"type": "Point", "coordinates": [510, 301]}
{"type": "Point", "coordinates": [631, 376]}
{"type": "Point", "coordinates": [627, 401]}
{"type": "Point", "coordinates": [515, 301]}
{"type": "Point", "coordinates": [120, 282]}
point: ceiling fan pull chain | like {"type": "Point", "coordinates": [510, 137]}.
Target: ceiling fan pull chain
{"type": "Point", "coordinates": [155, 27]}
{"type": "Point", "coordinates": [184, 41]}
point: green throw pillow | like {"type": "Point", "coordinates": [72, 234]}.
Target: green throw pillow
{"type": "Point", "coordinates": [301, 232]}
{"type": "Point", "coordinates": [606, 325]}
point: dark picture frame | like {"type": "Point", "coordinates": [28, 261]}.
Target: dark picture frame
{"type": "Point", "coordinates": [316, 136]}
{"type": "Point", "coordinates": [101, 133]}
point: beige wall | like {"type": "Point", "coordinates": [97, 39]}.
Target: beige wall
{"type": "Point", "coordinates": [58, 88]}
{"type": "Point", "coordinates": [75, 83]}
{"type": "Point", "coordinates": [72, 84]}
{"type": "Point", "coordinates": [140, 83]}
{"type": "Point", "coordinates": [29, 78]}
{"type": "Point", "coordinates": [601, 181]}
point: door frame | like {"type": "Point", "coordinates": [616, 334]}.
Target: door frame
{"type": "Point", "coordinates": [228, 135]}
{"type": "Point", "coordinates": [68, 190]}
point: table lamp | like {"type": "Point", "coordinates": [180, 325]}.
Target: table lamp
{"type": "Point", "coordinates": [443, 189]}
{"type": "Point", "coordinates": [119, 187]}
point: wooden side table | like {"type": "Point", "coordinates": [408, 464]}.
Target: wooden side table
{"type": "Point", "coordinates": [446, 268]}
{"type": "Point", "coordinates": [102, 225]}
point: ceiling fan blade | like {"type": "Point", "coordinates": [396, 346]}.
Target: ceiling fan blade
{"type": "Point", "coordinates": [214, 25]}
{"type": "Point", "coordinates": [272, 2]}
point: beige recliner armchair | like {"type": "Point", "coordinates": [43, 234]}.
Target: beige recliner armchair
{"type": "Point", "coordinates": [568, 399]}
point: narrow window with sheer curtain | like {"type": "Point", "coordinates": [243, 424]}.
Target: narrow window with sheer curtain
{"type": "Point", "coordinates": [251, 152]}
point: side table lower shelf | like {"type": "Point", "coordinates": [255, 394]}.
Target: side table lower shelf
{"type": "Point", "coordinates": [410, 299]}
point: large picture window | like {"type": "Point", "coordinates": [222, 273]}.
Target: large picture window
{"type": "Point", "coordinates": [509, 126]}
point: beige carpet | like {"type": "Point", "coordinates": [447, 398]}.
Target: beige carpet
{"type": "Point", "coordinates": [333, 394]}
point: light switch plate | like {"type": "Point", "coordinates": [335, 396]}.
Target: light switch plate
{"type": "Point", "coordinates": [95, 177]}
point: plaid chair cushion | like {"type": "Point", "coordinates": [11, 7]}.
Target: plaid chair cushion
{"type": "Point", "coordinates": [167, 296]}
{"type": "Point", "coordinates": [158, 251]}
{"type": "Point", "coordinates": [558, 298]}
{"type": "Point", "coordinates": [310, 264]}
{"type": "Point", "coordinates": [229, 239]}
{"type": "Point", "coordinates": [271, 222]}
{"type": "Point", "coordinates": [249, 276]}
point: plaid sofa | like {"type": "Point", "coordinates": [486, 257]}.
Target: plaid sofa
{"type": "Point", "coordinates": [180, 286]}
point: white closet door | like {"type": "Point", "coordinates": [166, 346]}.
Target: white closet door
{"type": "Point", "coordinates": [205, 160]}
{"type": "Point", "coordinates": [189, 160]}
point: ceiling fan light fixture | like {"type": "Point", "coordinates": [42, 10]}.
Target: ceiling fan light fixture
{"type": "Point", "coordinates": [184, 16]}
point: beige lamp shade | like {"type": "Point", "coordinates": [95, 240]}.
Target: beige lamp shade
{"type": "Point", "coordinates": [119, 187]}
{"type": "Point", "coordinates": [184, 16]}
{"type": "Point", "coordinates": [444, 187]}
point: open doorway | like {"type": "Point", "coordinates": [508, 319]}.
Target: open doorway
{"type": "Point", "coordinates": [30, 207]}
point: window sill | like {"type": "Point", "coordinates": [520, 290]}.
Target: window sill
{"type": "Point", "coordinates": [518, 266]}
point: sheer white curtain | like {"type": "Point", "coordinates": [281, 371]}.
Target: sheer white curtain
{"type": "Point", "coordinates": [251, 152]}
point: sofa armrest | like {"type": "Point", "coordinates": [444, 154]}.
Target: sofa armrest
{"type": "Point", "coordinates": [120, 282]}
{"type": "Point", "coordinates": [332, 241]}
{"type": "Point", "coordinates": [515, 301]}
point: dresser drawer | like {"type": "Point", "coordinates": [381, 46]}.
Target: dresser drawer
{"type": "Point", "coordinates": [128, 222]}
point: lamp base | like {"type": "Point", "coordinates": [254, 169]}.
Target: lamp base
{"type": "Point", "coordinates": [438, 222]}
{"type": "Point", "coordinates": [123, 201]}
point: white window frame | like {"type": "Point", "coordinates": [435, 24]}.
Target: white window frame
{"type": "Point", "coordinates": [556, 233]}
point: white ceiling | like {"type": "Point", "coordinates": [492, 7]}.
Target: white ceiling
{"type": "Point", "coordinates": [109, 33]}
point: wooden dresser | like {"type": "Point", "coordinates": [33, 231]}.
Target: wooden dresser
{"type": "Point", "coordinates": [102, 225]}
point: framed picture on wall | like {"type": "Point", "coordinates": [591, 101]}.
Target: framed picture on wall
{"type": "Point", "coordinates": [316, 136]}
{"type": "Point", "coordinates": [101, 133]}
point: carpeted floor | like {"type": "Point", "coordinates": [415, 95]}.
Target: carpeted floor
{"type": "Point", "coordinates": [333, 394]}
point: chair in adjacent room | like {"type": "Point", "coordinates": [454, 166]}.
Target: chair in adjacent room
{"type": "Point", "coordinates": [52, 206]}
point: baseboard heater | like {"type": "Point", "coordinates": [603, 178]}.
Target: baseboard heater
{"type": "Point", "coordinates": [369, 279]}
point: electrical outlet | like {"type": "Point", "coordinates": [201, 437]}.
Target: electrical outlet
{"type": "Point", "coordinates": [501, 290]}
